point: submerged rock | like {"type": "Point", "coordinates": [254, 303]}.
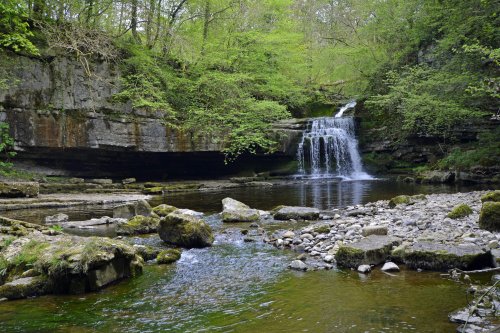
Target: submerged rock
{"type": "Point", "coordinates": [298, 265]}
{"type": "Point", "coordinates": [168, 256]}
{"type": "Point", "coordinates": [235, 211]}
{"type": "Point", "coordinates": [296, 213]}
{"type": "Point", "coordinates": [57, 218]}
{"type": "Point", "coordinates": [19, 189]}
{"type": "Point", "coordinates": [139, 225]}
{"type": "Point", "coordinates": [441, 257]}
{"type": "Point", "coordinates": [489, 218]}
{"type": "Point", "coordinates": [185, 230]}
{"type": "Point", "coordinates": [372, 250]}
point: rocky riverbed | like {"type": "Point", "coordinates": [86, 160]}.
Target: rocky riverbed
{"type": "Point", "coordinates": [407, 229]}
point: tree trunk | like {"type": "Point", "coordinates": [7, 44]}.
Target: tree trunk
{"type": "Point", "coordinates": [133, 22]}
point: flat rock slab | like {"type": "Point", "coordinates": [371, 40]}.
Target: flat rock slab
{"type": "Point", "coordinates": [372, 250]}
{"type": "Point", "coordinates": [24, 287]}
{"type": "Point", "coordinates": [297, 213]}
{"type": "Point", "coordinates": [441, 257]}
{"type": "Point", "coordinates": [19, 189]}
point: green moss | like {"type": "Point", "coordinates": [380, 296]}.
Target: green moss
{"type": "Point", "coordinates": [322, 229]}
{"type": "Point", "coordinates": [491, 196]}
{"type": "Point", "coordinates": [139, 225]}
{"type": "Point", "coordinates": [349, 257]}
{"type": "Point", "coordinates": [30, 253]}
{"type": "Point", "coordinates": [460, 211]}
{"type": "Point", "coordinates": [399, 200]}
{"type": "Point", "coordinates": [489, 218]}
{"type": "Point", "coordinates": [168, 256]}
{"type": "Point", "coordinates": [164, 210]}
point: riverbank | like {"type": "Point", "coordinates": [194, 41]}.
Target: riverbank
{"type": "Point", "coordinates": [418, 223]}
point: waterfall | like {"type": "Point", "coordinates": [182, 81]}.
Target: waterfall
{"type": "Point", "coordinates": [329, 148]}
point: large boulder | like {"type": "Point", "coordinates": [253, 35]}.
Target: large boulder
{"type": "Point", "coordinates": [491, 196]}
{"type": "Point", "coordinates": [63, 264]}
{"type": "Point", "coordinates": [131, 209]}
{"type": "Point", "coordinates": [19, 189]}
{"type": "Point", "coordinates": [489, 218]}
{"type": "Point", "coordinates": [372, 250]}
{"type": "Point", "coordinates": [296, 213]}
{"type": "Point", "coordinates": [441, 257]}
{"type": "Point", "coordinates": [139, 225]}
{"type": "Point", "coordinates": [185, 230]}
{"type": "Point", "coordinates": [235, 211]}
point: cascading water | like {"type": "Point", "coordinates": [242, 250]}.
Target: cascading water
{"type": "Point", "coordinates": [329, 148]}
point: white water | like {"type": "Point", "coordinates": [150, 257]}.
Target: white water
{"type": "Point", "coordinates": [329, 148]}
{"type": "Point", "coordinates": [348, 106]}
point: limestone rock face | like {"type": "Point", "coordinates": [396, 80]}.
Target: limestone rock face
{"type": "Point", "coordinates": [301, 213]}
{"type": "Point", "coordinates": [19, 189]}
{"type": "Point", "coordinates": [185, 230]}
{"type": "Point", "coordinates": [236, 211]}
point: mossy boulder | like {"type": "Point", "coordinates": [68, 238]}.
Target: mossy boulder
{"type": "Point", "coordinates": [185, 230]}
{"type": "Point", "coordinates": [441, 257]}
{"type": "Point", "coordinates": [168, 256]}
{"type": "Point", "coordinates": [460, 211]}
{"type": "Point", "coordinates": [64, 264]}
{"type": "Point", "coordinates": [399, 200]}
{"type": "Point", "coordinates": [146, 252]}
{"type": "Point", "coordinates": [406, 199]}
{"type": "Point", "coordinates": [139, 225]}
{"type": "Point", "coordinates": [491, 196]}
{"type": "Point", "coordinates": [236, 211]}
{"type": "Point", "coordinates": [163, 210]}
{"type": "Point", "coordinates": [372, 250]}
{"type": "Point", "coordinates": [489, 218]}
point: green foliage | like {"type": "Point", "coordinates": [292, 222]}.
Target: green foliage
{"type": "Point", "coordinates": [56, 227]}
{"type": "Point", "coordinates": [14, 30]}
{"type": "Point", "coordinates": [424, 101]}
{"type": "Point", "coordinates": [460, 211]}
{"type": "Point", "coordinates": [486, 152]}
{"type": "Point", "coordinates": [6, 146]}
{"type": "Point", "coordinates": [145, 82]}
{"type": "Point", "coordinates": [491, 196]}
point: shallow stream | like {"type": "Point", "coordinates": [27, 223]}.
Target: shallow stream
{"type": "Point", "coordinates": [236, 286]}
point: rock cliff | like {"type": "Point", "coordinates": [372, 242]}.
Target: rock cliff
{"type": "Point", "coordinates": [62, 115]}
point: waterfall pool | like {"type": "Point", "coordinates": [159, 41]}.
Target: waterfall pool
{"type": "Point", "coordinates": [236, 286]}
